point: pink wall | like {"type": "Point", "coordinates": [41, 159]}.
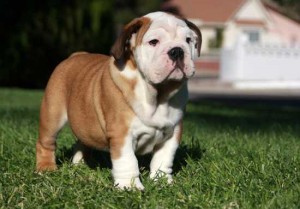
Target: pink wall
{"type": "Point", "coordinates": [287, 29]}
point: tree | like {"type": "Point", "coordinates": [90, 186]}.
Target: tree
{"type": "Point", "coordinates": [290, 7]}
{"type": "Point", "coordinates": [39, 34]}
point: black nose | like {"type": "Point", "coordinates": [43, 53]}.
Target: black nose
{"type": "Point", "coordinates": [176, 53]}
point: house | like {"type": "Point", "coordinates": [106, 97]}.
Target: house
{"type": "Point", "coordinates": [223, 21]}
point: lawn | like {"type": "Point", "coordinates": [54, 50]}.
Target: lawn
{"type": "Point", "coordinates": [231, 156]}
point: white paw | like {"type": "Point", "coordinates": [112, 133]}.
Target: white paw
{"type": "Point", "coordinates": [160, 174]}
{"type": "Point", "coordinates": [133, 183]}
{"type": "Point", "coordinates": [77, 158]}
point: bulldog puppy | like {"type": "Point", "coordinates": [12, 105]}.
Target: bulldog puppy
{"type": "Point", "coordinates": [129, 103]}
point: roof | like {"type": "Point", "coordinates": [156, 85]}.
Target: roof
{"type": "Point", "coordinates": [205, 10]}
{"type": "Point", "coordinates": [250, 22]}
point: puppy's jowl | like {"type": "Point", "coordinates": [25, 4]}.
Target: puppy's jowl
{"type": "Point", "coordinates": [129, 103]}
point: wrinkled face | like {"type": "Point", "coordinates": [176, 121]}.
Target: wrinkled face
{"type": "Point", "coordinates": [166, 49]}
{"type": "Point", "coordinates": [161, 46]}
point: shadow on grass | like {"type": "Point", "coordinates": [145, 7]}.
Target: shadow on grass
{"type": "Point", "coordinates": [217, 117]}
{"type": "Point", "coordinates": [96, 159]}
{"type": "Point", "coordinates": [101, 159]}
{"type": "Point", "coordinates": [248, 118]}
{"type": "Point", "coordinates": [93, 158]}
{"type": "Point", "coordinates": [19, 114]}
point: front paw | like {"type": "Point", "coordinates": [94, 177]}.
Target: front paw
{"type": "Point", "coordinates": [46, 166]}
{"type": "Point", "coordinates": [133, 183]}
{"type": "Point", "coordinates": [161, 175]}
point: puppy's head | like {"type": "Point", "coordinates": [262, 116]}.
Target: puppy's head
{"type": "Point", "coordinates": [161, 46]}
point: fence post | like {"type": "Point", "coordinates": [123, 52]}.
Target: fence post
{"type": "Point", "coordinates": [232, 61]}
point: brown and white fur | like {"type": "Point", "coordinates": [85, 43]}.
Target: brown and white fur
{"type": "Point", "coordinates": [129, 103]}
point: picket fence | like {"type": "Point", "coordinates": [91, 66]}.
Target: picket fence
{"type": "Point", "coordinates": [265, 63]}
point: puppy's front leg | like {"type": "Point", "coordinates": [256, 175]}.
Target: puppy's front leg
{"type": "Point", "coordinates": [125, 169]}
{"type": "Point", "coordinates": [162, 160]}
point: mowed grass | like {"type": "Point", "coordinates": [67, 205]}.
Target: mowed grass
{"type": "Point", "coordinates": [230, 157]}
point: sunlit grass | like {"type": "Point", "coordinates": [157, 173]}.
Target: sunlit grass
{"type": "Point", "coordinates": [230, 157]}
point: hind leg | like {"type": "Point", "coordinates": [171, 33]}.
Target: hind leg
{"type": "Point", "coordinates": [81, 153]}
{"type": "Point", "coordinates": [52, 118]}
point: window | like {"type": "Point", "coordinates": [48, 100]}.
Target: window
{"type": "Point", "coordinates": [253, 35]}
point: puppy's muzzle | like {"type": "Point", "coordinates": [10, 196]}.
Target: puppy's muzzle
{"type": "Point", "coordinates": [176, 54]}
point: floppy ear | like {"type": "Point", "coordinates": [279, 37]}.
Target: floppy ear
{"type": "Point", "coordinates": [121, 46]}
{"type": "Point", "coordinates": [194, 28]}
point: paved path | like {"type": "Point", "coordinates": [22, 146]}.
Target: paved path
{"type": "Point", "coordinates": [213, 89]}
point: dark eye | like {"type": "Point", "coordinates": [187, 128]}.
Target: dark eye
{"type": "Point", "coordinates": [153, 42]}
{"type": "Point", "coordinates": [188, 40]}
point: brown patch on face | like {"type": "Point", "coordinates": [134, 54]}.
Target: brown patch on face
{"type": "Point", "coordinates": [120, 47]}
{"type": "Point", "coordinates": [196, 30]}
{"type": "Point", "coordinates": [145, 26]}
{"type": "Point", "coordinates": [139, 26]}
{"type": "Point", "coordinates": [121, 50]}
{"type": "Point", "coordinates": [146, 22]}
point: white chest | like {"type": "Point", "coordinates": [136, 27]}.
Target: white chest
{"type": "Point", "coordinates": [149, 132]}
{"type": "Point", "coordinates": [155, 123]}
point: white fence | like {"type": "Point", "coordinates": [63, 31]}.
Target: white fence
{"type": "Point", "coordinates": [253, 62]}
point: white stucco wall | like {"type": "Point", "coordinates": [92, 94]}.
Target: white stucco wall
{"type": "Point", "coordinates": [233, 31]}
{"type": "Point", "coordinates": [230, 34]}
{"type": "Point", "coordinates": [253, 10]}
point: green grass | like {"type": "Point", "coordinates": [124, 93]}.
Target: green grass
{"type": "Point", "coordinates": [230, 157]}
